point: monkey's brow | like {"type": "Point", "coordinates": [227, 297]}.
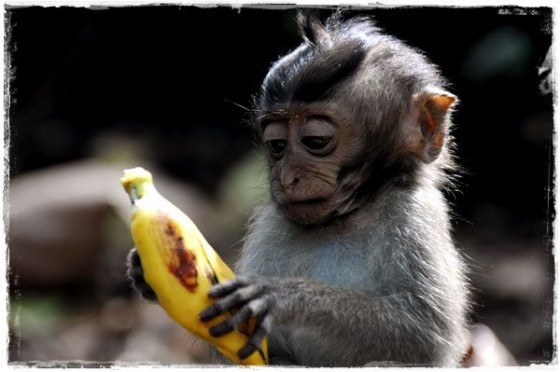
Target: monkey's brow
{"type": "Point", "coordinates": [272, 115]}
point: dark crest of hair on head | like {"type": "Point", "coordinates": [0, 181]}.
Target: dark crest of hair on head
{"type": "Point", "coordinates": [326, 58]}
{"type": "Point", "coordinates": [309, 25]}
{"type": "Point", "coordinates": [314, 27]}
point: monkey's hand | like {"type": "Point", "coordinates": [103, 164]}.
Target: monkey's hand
{"type": "Point", "coordinates": [135, 274]}
{"type": "Point", "coordinates": [265, 299]}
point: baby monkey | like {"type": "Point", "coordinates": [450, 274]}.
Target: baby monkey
{"type": "Point", "coordinates": [351, 262]}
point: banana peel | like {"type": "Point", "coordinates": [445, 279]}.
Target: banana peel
{"type": "Point", "coordinates": [180, 265]}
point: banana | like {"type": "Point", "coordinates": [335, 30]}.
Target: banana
{"type": "Point", "coordinates": [180, 265]}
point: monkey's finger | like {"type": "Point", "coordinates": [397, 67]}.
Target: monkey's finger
{"type": "Point", "coordinates": [134, 266]}
{"type": "Point", "coordinates": [255, 341]}
{"type": "Point", "coordinates": [224, 289]}
{"type": "Point", "coordinates": [229, 324]}
{"type": "Point", "coordinates": [136, 274]}
{"type": "Point", "coordinates": [236, 299]}
{"type": "Point", "coordinates": [146, 291]}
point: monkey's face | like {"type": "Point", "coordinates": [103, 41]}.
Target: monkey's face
{"type": "Point", "coordinates": [305, 155]}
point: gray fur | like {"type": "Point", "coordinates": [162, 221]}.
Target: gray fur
{"type": "Point", "coordinates": [385, 285]}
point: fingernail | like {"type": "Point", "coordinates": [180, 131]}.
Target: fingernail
{"type": "Point", "coordinates": [246, 351]}
{"type": "Point", "coordinates": [220, 330]}
{"type": "Point", "coordinates": [207, 314]}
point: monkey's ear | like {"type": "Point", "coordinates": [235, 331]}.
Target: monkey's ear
{"type": "Point", "coordinates": [431, 108]}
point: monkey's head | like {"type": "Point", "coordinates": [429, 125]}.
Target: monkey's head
{"type": "Point", "coordinates": [346, 114]}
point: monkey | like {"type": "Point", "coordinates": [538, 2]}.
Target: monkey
{"type": "Point", "coordinates": [351, 262]}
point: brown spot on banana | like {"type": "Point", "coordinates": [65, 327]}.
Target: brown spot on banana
{"type": "Point", "coordinates": [184, 268]}
{"type": "Point", "coordinates": [182, 263]}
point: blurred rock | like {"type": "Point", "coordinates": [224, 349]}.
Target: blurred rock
{"type": "Point", "coordinates": [52, 240]}
{"type": "Point", "coordinates": [57, 220]}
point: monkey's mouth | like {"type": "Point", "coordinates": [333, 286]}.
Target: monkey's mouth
{"type": "Point", "coordinates": [306, 202]}
{"type": "Point", "coordinates": [309, 211]}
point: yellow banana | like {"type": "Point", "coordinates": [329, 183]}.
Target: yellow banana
{"type": "Point", "coordinates": [179, 264]}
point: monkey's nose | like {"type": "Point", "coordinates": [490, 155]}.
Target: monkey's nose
{"type": "Point", "coordinates": [288, 184]}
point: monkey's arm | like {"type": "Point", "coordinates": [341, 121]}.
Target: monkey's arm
{"type": "Point", "coordinates": [369, 328]}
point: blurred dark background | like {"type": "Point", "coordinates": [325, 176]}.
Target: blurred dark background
{"type": "Point", "coordinates": [94, 90]}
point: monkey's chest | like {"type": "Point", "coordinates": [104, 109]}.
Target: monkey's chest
{"type": "Point", "coordinates": [329, 261]}
{"type": "Point", "coordinates": [338, 265]}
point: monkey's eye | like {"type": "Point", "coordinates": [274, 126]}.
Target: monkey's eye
{"type": "Point", "coordinates": [317, 144]}
{"type": "Point", "coordinates": [276, 146]}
